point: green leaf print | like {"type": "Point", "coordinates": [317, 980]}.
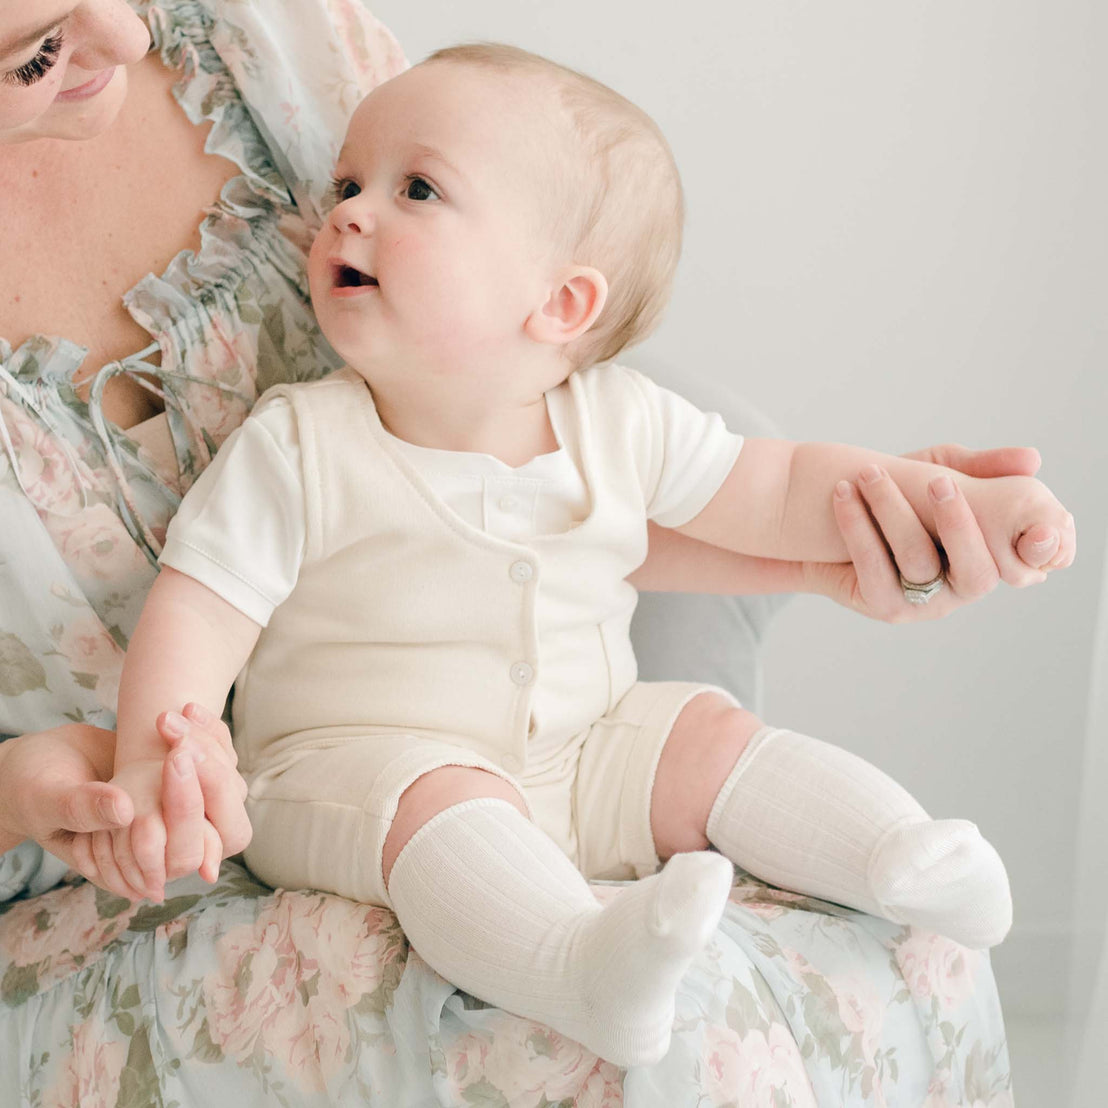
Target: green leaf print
{"type": "Point", "coordinates": [150, 919]}
{"type": "Point", "coordinates": [203, 1047]}
{"type": "Point", "coordinates": [20, 670]}
{"type": "Point", "coordinates": [108, 905]}
{"type": "Point", "coordinates": [178, 942]}
{"type": "Point", "coordinates": [138, 1083]}
{"type": "Point", "coordinates": [743, 1013]}
{"type": "Point", "coordinates": [20, 983]}
{"type": "Point", "coordinates": [484, 1095]}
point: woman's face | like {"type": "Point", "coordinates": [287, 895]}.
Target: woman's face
{"type": "Point", "coordinates": [61, 66]}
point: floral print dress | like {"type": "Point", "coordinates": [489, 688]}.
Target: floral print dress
{"type": "Point", "coordinates": [242, 995]}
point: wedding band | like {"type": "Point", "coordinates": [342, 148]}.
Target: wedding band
{"type": "Point", "coordinates": [916, 593]}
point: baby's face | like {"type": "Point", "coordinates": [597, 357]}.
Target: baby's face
{"type": "Point", "coordinates": [436, 250]}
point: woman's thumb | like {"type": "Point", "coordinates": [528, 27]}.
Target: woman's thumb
{"type": "Point", "coordinates": [95, 806]}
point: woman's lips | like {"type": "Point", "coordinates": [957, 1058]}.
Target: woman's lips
{"type": "Point", "coordinates": [89, 88]}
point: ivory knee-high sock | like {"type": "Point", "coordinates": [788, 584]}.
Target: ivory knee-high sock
{"type": "Point", "coordinates": [807, 816]}
{"type": "Point", "coordinates": [493, 905]}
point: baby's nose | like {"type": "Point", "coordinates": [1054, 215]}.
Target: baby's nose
{"type": "Point", "coordinates": [354, 219]}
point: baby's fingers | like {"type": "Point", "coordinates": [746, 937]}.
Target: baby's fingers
{"type": "Point", "coordinates": [1067, 548]}
{"type": "Point", "coordinates": [213, 854]}
{"type": "Point", "coordinates": [106, 869]}
{"type": "Point", "coordinates": [1038, 546]}
{"type": "Point", "coordinates": [148, 841]}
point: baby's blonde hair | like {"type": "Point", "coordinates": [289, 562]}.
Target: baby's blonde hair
{"type": "Point", "coordinates": [619, 196]}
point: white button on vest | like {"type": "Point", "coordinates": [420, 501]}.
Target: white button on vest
{"type": "Point", "coordinates": [521, 572]}
{"type": "Point", "coordinates": [508, 503]}
{"type": "Point", "coordinates": [521, 673]}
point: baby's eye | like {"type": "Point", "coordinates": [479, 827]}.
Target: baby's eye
{"type": "Point", "coordinates": [343, 188]}
{"type": "Point", "coordinates": [418, 189]}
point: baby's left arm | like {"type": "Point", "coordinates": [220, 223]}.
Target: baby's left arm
{"type": "Point", "coordinates": [777, 503]}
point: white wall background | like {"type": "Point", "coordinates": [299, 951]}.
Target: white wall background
{"type": "Point", "coordinates": [896, 236]}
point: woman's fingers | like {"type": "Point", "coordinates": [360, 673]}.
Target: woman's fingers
{"type": "Point", "coordinates": [971, 572]}
{"type": "Point", "coordinates": [878, 587]}
{"type": "Point", "coordinates": [183, 812]}
{"type": "Point", "coordinates": [93, 806]}
{"type": "Point", "coordinates": [886, 539]}
{"type": "Point", "coordinates": [912, 547]}
{"type": "Point", "coordinates": [1004, 461]}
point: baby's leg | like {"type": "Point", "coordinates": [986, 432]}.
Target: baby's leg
{"type": "Point", "coordinates": [811, 817]}
{"type": "Point", "coordinates": [491, 902]}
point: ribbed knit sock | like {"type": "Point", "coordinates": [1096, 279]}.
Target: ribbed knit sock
{"type": "Point", "coordinates": [810, 817]}
{"type": "Point", "coordinates": [493, 905]}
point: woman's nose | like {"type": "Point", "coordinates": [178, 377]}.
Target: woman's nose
{"type": "Point", "coordinates": [107, 33]}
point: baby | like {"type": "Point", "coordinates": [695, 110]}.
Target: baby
{"type": "Point", "coordinates": [416, 569]}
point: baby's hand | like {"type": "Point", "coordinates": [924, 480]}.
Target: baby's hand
{"type": "Point", "coordinates": [1010, 507]}
{"type": "Point", "coordinates": [134, 856]}
{"type": "Point", "coordinates": [192, 841]}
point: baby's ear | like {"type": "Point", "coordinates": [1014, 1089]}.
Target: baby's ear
{"type": "Point", "coordinates": [572, 307]}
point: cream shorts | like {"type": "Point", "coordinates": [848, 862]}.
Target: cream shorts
{"type": "Point", "coordinates": [321, 816]}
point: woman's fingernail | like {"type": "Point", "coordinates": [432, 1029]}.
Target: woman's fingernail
{"type": "Point", "coordinates": [871, 474]}
{"type": "Point", "coordinates": [183, 764]}
{"type": "Point", "coordinates": [106, 807]}
{"type": "Point", "coordinates": [942, 488]}
{"type": "Point", "coordinates": [842, 490]}
{"type": "Point", "coordinates": [199, 714]}
{"type": "Point", "coordinates": [174, 724]}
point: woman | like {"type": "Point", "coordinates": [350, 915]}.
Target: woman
{"type": "Point", "coordinates": [105, 181]}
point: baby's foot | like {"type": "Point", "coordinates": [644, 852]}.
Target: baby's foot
{"type": "Point", "coordinates": [634, 953]}
{"type": "Point", "coordinates": [943, 875]}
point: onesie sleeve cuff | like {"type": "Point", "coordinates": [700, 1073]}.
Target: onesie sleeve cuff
{"type": "Point", "coordinates": [221, 579]}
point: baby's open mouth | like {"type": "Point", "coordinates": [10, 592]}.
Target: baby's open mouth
{"type": "Point", "coordinates": [347, 277]}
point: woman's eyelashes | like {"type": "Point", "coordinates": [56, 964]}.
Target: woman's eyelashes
{"type": "Point", "coordinates": [33, 71]}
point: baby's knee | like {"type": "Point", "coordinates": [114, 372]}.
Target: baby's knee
{"type": "Point", "coordinates": [706, 741]}
{"type": "Point", "coordinates": [712, 731]}
{"type": "Point", "coordinates": [435, 791]}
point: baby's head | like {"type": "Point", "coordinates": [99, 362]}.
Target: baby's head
{"type": "Point", "coordinates": [614, 200]}
{"type": "Point", "coordinates": [509, 166]}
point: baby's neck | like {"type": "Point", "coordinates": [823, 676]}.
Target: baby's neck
{"type": "Point", "coordinates": [514, 430]}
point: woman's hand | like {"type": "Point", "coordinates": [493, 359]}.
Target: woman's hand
{"type": "Point", "coordinates": [53, 785]}
{"type": "Point", "coordinates": [54, 790]}
{"type": "Point", "coordinates": [202, 809]}
{"type": "Point", "coordinates": [876, 520]}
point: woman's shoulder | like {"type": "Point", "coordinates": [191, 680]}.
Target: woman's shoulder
{"type": "Point", "coordinates": [300, 68]}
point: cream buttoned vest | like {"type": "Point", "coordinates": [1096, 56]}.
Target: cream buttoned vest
{"type": "Point", "coordinates": [406, 618]}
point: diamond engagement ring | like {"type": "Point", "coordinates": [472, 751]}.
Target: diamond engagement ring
{"type": "Point", "coordinates": [916, 593]}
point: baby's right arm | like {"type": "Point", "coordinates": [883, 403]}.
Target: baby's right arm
{"type": "Point", "coordinates": [189, 646]}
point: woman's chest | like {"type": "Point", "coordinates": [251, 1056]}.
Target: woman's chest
{"type": "Point", "coordinates": [84, 221]}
